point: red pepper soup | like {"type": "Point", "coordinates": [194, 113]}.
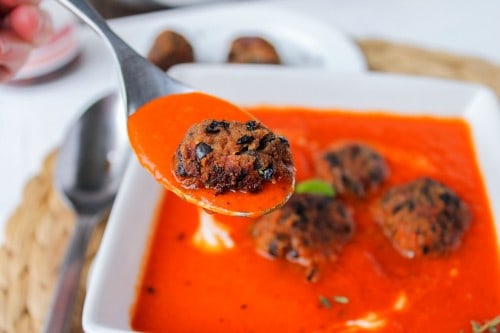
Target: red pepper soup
{"type": "Point", "coordinates": [196, 283]}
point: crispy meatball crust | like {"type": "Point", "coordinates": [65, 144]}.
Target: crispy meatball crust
{"type": "Point", "coordinates": [228, 155]}
{"type": "Point", "coordinates": [353, 169]}
{"type": "Point", "coordinates": [308, 229]}
{"type": "Point", "coordinates": [170, 48]}
{"type": "Point", "coordinates": [422, 217]}
{"type": "Point", "coordinates": [253, 50]}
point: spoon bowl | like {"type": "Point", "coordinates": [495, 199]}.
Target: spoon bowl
{"type": "Point", "coordinates": [92, 160]}
{"type": "Point", "coordinates": [89, 168]}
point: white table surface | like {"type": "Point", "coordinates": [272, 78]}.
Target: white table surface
{"type": "Point", "coordinates": [33, 119]}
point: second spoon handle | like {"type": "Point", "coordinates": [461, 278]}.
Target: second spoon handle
{"type": "Point", "coordinates": [60, 315]}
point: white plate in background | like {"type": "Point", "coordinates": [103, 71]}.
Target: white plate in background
{"type": "Point", "coordinates": [300, 40]}
{"type": "Point", "coordinates": [112, 286]}
{"type": "Point", "coordinates": [180, 3]}
{"type": "Point", "coordinates": [60, 49]}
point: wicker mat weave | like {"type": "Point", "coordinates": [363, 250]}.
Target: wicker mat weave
{"type": "Point", "coordinates": [38, 230]}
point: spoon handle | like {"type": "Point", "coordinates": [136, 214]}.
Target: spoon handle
{"type": "Point", "coordinates": [122, 52]}
{"type": "Point", "coordinates": [141, 80]}
{"type": "Point", "coordinates": [91, 17]}
{"type": "Point", "coordinates": [59, 318]}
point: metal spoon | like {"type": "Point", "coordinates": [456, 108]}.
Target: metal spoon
{"type": "Point", "coordinates": [141, 81]}
{"type": "Point", "coordinates": [88, 172]}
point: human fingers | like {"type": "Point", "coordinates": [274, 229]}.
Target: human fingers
{"type": "Point", "coordinates": [6, 5]}
{"type": "Point", "coordinates": [31, 23]}
{"type": "Point", "coordinates": [14, 52]}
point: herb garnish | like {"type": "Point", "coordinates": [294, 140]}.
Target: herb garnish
{"type": "Point", "coordinates": [341, 299]}
{"type": "Point", "coordinates": [325, 302]}
{"type": "Point", "coordinates": [315, 186]}
{"type": "Point", "coordinates": [489, 326]}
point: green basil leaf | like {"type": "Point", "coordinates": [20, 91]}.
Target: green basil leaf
{"type": "Point", "coordinates": [315, 186]}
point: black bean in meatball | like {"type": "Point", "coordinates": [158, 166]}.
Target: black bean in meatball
{"type": "Point", "coordinates": [422, 217]}
{"type": "Point", "coordinates": [253, 50]}
{"type": "Point", "coordinates": [353, 169]}
{"type": "Point", "coordinates": [228, 155]}
{"type": "Point", "coordinates": [170, 48]}
{"type": "Point", "coordinates": [308, 229]}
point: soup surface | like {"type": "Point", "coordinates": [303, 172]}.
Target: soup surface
{"type": "Point", "coordinates": [188, 287]}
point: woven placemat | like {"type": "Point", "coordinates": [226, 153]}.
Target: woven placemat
{"type": "Point", "coordinates": [38, 230]}
{"type": "Point", "coordinates": [398, 58]}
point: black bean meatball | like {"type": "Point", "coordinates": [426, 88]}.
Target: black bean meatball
{"type": "Point", "coordinates": [170, 48]}
{"type": "Point", "coordinates": [228, 155]}
{"type": "Point", "coordinates": [308, 229]}
{"type": "Point", "coordinates": [422, 217]}
{"type": "Point", "coordinates": [253, 50]}
{"type": "Point", "coordinates": [353, 169]}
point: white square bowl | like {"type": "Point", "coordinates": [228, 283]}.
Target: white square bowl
{"type": "Point", "coordinates": [112, 285]}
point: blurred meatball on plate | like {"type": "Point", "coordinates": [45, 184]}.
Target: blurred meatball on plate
{"type": "Point", "coordinates": [253, 50]}
{"type": "Point", "coordinates": [170, 48]}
